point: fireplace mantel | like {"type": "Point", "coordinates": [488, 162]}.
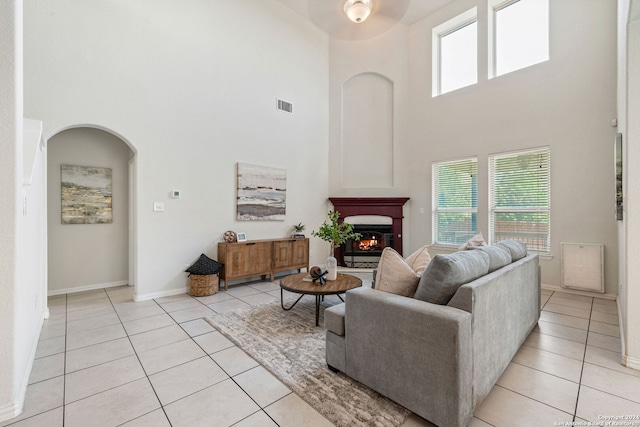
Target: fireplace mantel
{"type": "Point", "coordinates": [383, 206]}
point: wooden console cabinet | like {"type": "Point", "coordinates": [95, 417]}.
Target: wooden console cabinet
{"type": "Point", "coordinates": [262, 257]}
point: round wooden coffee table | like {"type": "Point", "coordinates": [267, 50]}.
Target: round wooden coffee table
{"type": "Point", "coordinates": [294, 283]}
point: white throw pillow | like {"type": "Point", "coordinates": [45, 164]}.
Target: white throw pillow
{"type": "Point", "coordinates": [477, 240]}
{"type": "Point", "coordinates": [419, 259]}
{"type": "Point", "coordinates": [396, 276]}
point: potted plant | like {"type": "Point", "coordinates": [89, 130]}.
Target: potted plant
{"type": "Point", "coordinates": [298, 229]}
{"type": "Point", "coordinates": [337, 234]}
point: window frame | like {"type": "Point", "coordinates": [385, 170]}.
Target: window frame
{"type": "Point", "coordinates": [492, 196]}
{"type": "Point", "coordinates": [495, 6]}
{"type": "Point", "coordinates": [435, 194]}
{"type": "Point", "coordinates": [437, 33]}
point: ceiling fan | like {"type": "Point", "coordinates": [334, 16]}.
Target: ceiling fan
{"type": "Point", "coordinates": [356, 19]}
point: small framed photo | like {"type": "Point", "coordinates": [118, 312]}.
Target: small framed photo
{"type": "Point", "coordinates": [242, 237]}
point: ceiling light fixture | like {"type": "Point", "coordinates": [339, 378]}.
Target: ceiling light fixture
{"type": "Point", "coordinates": [357, 10]}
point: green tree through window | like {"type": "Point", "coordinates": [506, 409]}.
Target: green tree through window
{"type": "Point", "coordinates": [455, 201]}
{"type": "Point", "coordinates": [519, 198]}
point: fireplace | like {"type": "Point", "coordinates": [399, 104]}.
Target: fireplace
{"type": "Point", "coordinates": [390, 207]}
{"type": "Point", "coordinates": [365, 252]}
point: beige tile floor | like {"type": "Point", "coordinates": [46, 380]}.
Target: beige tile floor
{"type": "Point", "coordinates": [104, 360]}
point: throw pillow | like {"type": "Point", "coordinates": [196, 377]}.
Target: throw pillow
{"type": "Point", "coordinates": [477, 240]}
{"type": "Point", "coordinates": [419, 259]}
{"type": "Point", "coordinates": [446, 273]}
{"type": "Point", "coordinates": [395, 275]}
{"type": "Point", "coordinates": [499, 256]}
{"type": "Point", "coordinates": [517, 248]}
{"type": "Point", "coordinates": [204, 266]}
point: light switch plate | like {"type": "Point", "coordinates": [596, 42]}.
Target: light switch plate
{"type": "Point", "coordinates": [158, 207]}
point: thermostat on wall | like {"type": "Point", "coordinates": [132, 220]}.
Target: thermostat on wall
{"type": "Point", "coordinates": [175, 194]}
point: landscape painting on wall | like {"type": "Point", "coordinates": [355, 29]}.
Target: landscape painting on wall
{"type": "Point", "coordinates": [262, 193]}
{"type": "Point", "coordinates": [86, 195]}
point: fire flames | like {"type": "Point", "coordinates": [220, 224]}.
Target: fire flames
{"type": "Point", "coordinates": [369, 244]}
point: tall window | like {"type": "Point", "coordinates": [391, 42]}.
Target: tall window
{"type": "Point", "coordinates": [455, 201]}
{"type": "Point", "coordinates": [455, 53]}
{"type": "Point", "coordinates": [519, 199]}
{"type": "Point", "coordinates": [519, 34]}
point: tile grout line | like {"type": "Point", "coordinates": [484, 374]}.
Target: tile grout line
{"type": "Point", "coordinates": [584, 357]}
{"type": "Point", "coordinates": [142, 366]}
{"type": "Point", "coordinates": [545, 372]}
{"type": "Point", "coordinates": [560, 324]}
{"type": "Point", "coordinates": [121, 323]}
{"type": "Point", "coordinates": [529, 398]}
{"type": "Point", "coordinates": [217, 364]}
{"type": "Point", "coordinates": [230, 376]}
{"type": "Point", "coordinates": [64, 370]}
{"type": "Point", "coordinates": [552, 352]}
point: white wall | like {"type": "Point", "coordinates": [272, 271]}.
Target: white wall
{"type": "Point", "coordinates": [631, 308]}
{"type": "Point", "coordinates": [380, 59]}
{"type": "Point", "coordinates": [565, 103]}
{"type": "Point", "coordinates": [621, 105]}
{"type": "Point", "coordinates": [22, 232]}
{"type": "Point", "coordinates": [367, 132]}
{"type": "Point", "coordinates": [192, 86]}
{"type": "Point", "coordinates": [31, 290]}
{"type": "Point", "coordinates": [380, 67]}
{"type": "Point", "coordinates": [88, 256]}
{"type": "Point", "coordinates": [10, 176]}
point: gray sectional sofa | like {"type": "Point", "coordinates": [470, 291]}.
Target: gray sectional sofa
{"type": "Point", "coordinates": [439, 360]}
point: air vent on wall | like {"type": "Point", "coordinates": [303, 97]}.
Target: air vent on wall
{"type": "Point", "coordinates": [285, 106]}
{"type": "Point", "coordinates": [582, 266]}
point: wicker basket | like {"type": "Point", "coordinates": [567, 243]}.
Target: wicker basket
{"type": "Point", "coordinates": [204, 285]}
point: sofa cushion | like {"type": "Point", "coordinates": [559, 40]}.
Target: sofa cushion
{"type": "Point", "coordinates": [395, 275]}
{"type": "Point", "coordinates": [499, 256]}
{"type": "Point", "coordinates": [517, 248]}
{"type": "Point", "coordinates": [334, 319]}
{"type": "Point", "coordinates": [446, 273]}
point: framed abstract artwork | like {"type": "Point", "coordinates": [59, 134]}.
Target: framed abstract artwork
{"type": "Point", "coordinates": [262, 193]}
{"type": "Point", "coordinates": [86, 195]}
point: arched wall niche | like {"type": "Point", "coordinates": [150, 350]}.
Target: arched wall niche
{"type": "Point", "coordinates": [91, 256]}
{"type": "Point", "coordinates": [367, 131]}
{"type": "Point", "coordinates": [98, 127]}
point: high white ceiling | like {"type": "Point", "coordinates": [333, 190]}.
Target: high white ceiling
{"type": "Point", "coordinates": [417, 9]}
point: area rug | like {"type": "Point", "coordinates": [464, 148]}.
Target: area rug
{"type": "Point", "coordinates": [291, 347]}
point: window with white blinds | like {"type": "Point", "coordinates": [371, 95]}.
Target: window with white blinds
{"type": "Point", "coordinates": [455, 201]}
{"type": "Point", "coordinates": [519, 198]}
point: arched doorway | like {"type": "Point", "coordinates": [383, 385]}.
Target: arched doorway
{"type": "Point", "coordinates": [90, 255]}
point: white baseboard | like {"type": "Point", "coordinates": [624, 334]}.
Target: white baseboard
{"type": "Point", "coordinates": [576, 292]}
{"type": "Point", "coordinates": [10, 410]}
{"type": "Point", "coordinates": [623, 349]}
{"type": "Point", "coordinates": [631, 362]}
{"type": "Point", "coordinates": [14, 409]}
{"type": "Point", "coordinates": [86, 288]}
{"type": "Point", "coordinates": [32, 357]}
{"type": "Point", "coordinates": [154, 295]}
